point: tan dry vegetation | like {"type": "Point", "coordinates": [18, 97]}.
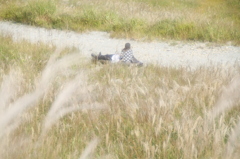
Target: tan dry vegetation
{"type": "Point", "coordinates": [81, 110]}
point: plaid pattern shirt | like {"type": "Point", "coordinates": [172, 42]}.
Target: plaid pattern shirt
{"type": "Point", "coordinates": [126, 56]}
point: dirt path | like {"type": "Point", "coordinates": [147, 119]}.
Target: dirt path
{"type": "Point", "coordinates": [164, 53]}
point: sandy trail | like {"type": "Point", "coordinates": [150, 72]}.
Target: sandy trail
{"type": "Point", "coordinates": [191, 54]}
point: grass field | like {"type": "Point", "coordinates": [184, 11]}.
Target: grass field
{"type": "Point", "coordinates": [56, 104]}
{"type": "Point", "coordinates": [199, 20]}
{"type": "Point", "coordinates": [53, 106]}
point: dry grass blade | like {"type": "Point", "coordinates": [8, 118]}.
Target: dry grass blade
{"type": "Point", "coordinates": [233, 143]}
{"type": "Point", "coordinates": [17, 108]}
{"type": "Point", "coordinates": [14, 110]}
{"type": "Point", "coordinates": [9, 88]}
{"type": "Point", "coordinates": [229, 98]}
{"type": "Point", "coordinates": [60, 106]}
{"type": "Point", "coordinates": [89, 149]}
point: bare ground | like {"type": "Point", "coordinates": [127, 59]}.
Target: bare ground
{"type": "Point", "coordinates": [170, 53]}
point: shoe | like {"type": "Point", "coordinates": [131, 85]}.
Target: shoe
{"type": "Point", "coordinates": [140, 64]}
{"type": "Point", "coordinates": [94, 56]}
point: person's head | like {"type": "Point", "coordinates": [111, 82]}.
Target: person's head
{"type": "Point", "coordinates": [127, 46]}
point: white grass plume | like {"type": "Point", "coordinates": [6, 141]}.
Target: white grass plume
{"type": "Point", "coordinates": [89, 149]}
{"type": "Point", "coordinates": [233, 142]}
{"type": "Point", "coordinates": [64, 102]}
{"type": "Point", "coordinates": [53, 68]}
{"type": "Point", "coordinates": [229, 98]}
{"type": "Point", "coordinates": [17, 108]}
{"type": "Point", "coordinates": [57, 109]}
{"type": "Point", "coordinates": [9, 87]}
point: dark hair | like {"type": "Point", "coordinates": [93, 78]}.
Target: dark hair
{"type": "Point", "coordinates": [127, 46]}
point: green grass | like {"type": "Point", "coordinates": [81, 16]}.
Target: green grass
{"type": "Point", "coordinates": [173, 3]}
{"type": "Point", "coordinates": [146, 112]}
{"type": "Point", "coordinates": [214, 21]}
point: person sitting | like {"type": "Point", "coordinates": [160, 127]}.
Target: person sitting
{"type": "Point", "coordinates": [127, 55]}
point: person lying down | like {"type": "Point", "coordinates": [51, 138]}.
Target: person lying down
{"type": "Point", "coordinates": [108, 57]}
{"type": "Point", "coordinates": [126, 56]}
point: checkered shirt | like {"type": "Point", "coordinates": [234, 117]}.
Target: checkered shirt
{"type": "Point", "coordinates": [127, 55]}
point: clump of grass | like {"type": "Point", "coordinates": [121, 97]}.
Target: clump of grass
{"type": "Point", "coordinates": [190, 31]}
{"type": "Point", "coordinates": [173, 3]}
{"type": "Point", "coordinates": [34, 12]}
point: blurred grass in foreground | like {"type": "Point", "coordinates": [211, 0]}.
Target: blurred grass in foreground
{"type": "Point", "coordinates": [74, 108]}
{"type": "Point", "coordinates": [213, 20]}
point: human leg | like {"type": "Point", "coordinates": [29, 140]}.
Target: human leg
{"type": "Point", "coordinates": [135, 61]}
{"type": "Point", "coordinates": [102, 57]}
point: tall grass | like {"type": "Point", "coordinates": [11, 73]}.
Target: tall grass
{"type": "Point", "coordinates": [72, 109]}
{"type": "Point", "coordinates": [213, 20]}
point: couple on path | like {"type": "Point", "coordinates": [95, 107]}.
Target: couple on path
{"type": "Point", "coordinates": [125, 57]}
